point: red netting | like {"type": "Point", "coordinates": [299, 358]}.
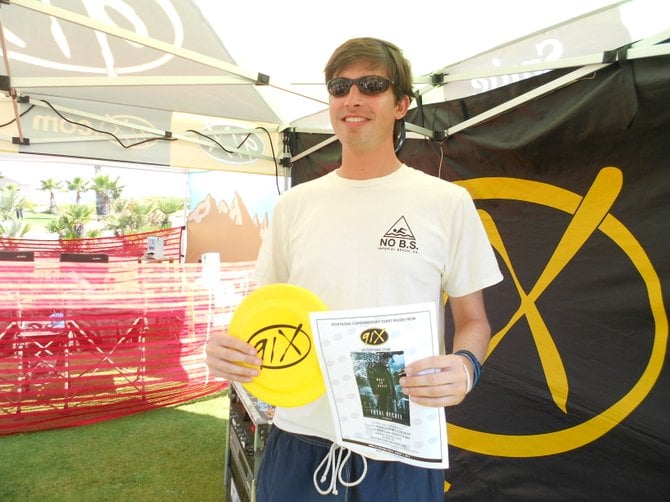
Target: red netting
{"type": "Point", "coordinates": [84, 342]}
{"type": "Point", "coordinates": [122, 248]}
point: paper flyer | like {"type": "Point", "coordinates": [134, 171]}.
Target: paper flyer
{"type": "Point", "coordinates": [362, 354]}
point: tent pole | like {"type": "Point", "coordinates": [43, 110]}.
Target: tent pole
{"type": "Point", "coordinates": [11, 91]}
{"type": "Point", "coordinates": [641, 47]}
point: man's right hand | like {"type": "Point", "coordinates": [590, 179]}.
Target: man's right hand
{"type": "Point", "coordinates": [231, 358]}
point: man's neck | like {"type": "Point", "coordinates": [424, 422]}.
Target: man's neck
{"type": "Point", "coordinates": [357, 166]}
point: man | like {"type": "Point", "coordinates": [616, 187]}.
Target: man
{"type": "Point", "coordinates": [380, 379]}
{"type": "Point", "coordinates": [328, 236]}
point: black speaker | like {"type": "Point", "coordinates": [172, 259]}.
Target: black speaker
{"type": "Point", "coordinates": [84, 257]}
{"type": "Point", "coordinates": [17, 256]}
{"type": "Point", "coordinates": [248, 426]}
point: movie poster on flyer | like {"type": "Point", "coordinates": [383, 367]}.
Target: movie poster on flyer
{"type": "Point", "coordinates": [362, 354]}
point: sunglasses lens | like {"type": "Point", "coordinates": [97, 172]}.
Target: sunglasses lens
{"type": "Point", "coordinates": [370, 85]}
{"type": "Point", "coordinates": [339, 86]}
{"type": "Point", "coordinates": [373, 84]}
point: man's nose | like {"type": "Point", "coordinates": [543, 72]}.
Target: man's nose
{"type": "Point", "coordinates": [353, 97]}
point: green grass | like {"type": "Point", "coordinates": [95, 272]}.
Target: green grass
{"type": "Point", "coordinates": [37, 220]}
{"type": "Point", "coordinates": [168, 454]}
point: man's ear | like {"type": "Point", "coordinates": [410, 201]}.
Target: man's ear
{"type": "Point", "coordinates": [401, 107]}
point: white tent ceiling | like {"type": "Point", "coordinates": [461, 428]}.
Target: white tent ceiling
{"type": "Point", "coordinates": [135, 64]}
{"type": "Point", "coordinates": [291, 41]}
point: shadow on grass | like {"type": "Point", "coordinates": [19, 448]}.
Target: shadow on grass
{"type": "Point", "coordinates": [168, 454]}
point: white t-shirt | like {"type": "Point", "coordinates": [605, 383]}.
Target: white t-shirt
{"type": "Point", "coordinates": [400, 239]}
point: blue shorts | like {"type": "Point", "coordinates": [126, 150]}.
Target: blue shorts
{"type": "Point", "coordinates": [289, 461]}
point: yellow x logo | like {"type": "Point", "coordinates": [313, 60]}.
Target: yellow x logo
{"type": "Point", "coordinates": [589, 213]}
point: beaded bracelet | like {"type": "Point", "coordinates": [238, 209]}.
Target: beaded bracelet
{"type": "Point", "coordinates": [477, 367]}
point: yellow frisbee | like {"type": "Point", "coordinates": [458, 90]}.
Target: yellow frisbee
{"type": "Point", "coordinates": [274, 319]}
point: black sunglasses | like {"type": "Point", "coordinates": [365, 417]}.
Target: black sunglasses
{"type": "Point", "coordinates": [368, 85]}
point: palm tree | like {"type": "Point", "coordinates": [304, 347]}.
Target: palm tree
{"type": "Point", "coordinates": [50, 185]}
{"type": "Point", "coordinates": [14, 228]}
{"type": "Point", "coordinates": [7, 198]}
{"type": "Point", "coordinates": [71, 224]}
{"type": "Point", "coordinates": [77, 185]}
{"type": "Point", "coordinates": [59, 226]}
{"type": "Point", "coordinates": [129, 217]}
{"type": "Point", "coordinates": [106, 190]}
{"type": "Point", "coordinates": [11, 203]}
{"type": "Point", "coordinates": [166, 208]}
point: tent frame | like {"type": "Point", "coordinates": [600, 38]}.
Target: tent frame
{"type": "Point", "coordinates": [649, 47]}
{"type": "Point", "coordinates": [236, 75]}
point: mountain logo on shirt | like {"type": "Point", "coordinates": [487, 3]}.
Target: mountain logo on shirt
{"type": "Point", "coordinates": [399, 237]}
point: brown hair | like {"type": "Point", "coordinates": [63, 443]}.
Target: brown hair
{"type": "Point", "coordinates": [378, 53]}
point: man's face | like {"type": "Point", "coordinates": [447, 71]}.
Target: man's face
{"type": "Point", "coordinates": [365, 122]}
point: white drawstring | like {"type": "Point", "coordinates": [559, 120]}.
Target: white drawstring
{"type": "Point", "coordinates": [334, 464]}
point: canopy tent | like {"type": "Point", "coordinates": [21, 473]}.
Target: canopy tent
{"type": "Point", "coordinates": [199, 84]}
